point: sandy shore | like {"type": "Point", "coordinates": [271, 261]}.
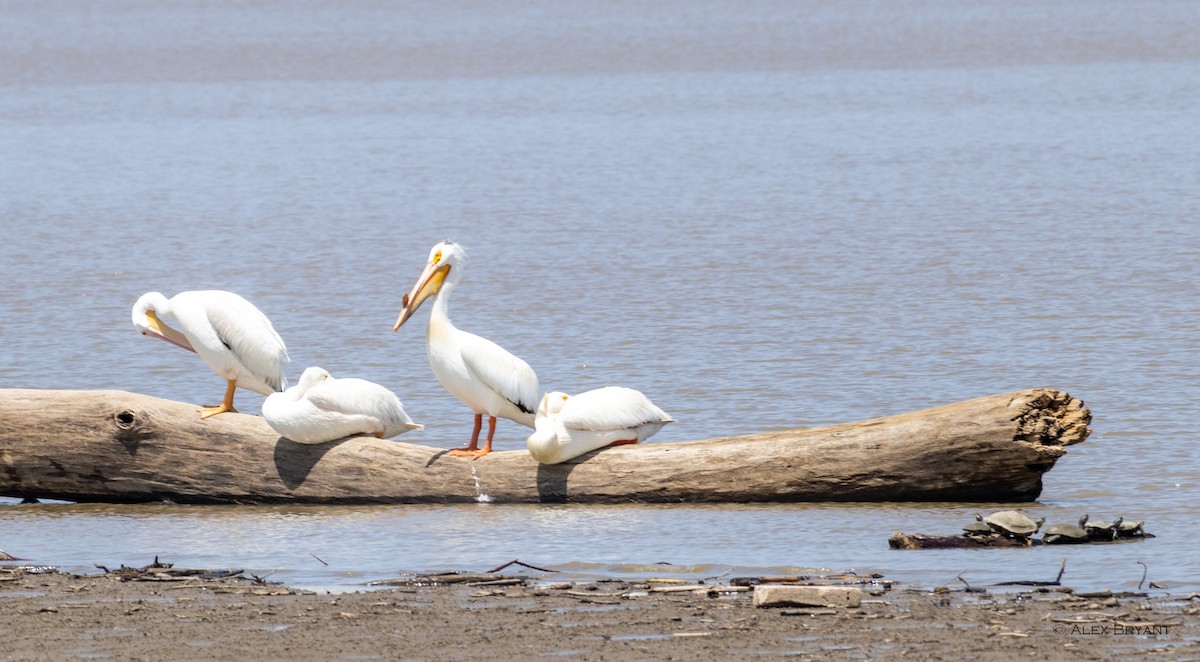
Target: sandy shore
{"type": "Point", "coordinates": [171, 614]}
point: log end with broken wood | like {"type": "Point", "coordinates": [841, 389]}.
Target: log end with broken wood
{"type": "Point", "coordinates": [116, 446]}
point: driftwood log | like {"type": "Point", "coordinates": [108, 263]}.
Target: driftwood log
{"type": "Point", "coordinates": [957, 541]}
{"type": "Point", "coordinates": [115, 446]}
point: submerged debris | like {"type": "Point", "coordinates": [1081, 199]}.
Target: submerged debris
{"type": "Point", "coordinates": [223, 580]}
{"type": "Point", "coordinates": [166, 572]}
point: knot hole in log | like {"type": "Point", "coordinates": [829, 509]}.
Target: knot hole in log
{"type": "Point", "coordinates": [130, 427]}
{"type": "Point", "coordinates": [1053, 418]}
{"type": "Point", "coordinates": [125, 419]}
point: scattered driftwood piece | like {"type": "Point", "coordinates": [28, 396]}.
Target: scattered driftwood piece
{"type": "Point", "coordinates": [815, 580]}
{"type": "Point", "coordinates": [167, 572]}
{"type": "Point", "coordinates": [447, 578]}
{"type": "Point", "coordinates": [5, 556]}
{"type": "Point", "coordinates": [115, 446]}
{"type": "Point", "coordinates": [783, 595]}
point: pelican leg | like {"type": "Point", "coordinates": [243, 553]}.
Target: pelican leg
{"type": "Point", "coordinates": [226, 404]}
{"type": "Point", "coordinates": [470, 450]}
{"type": "Point", "coordinates": [487, 446]}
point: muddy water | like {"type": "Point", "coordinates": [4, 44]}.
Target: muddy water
{"type": "Point", "coordinates": [769, 216]}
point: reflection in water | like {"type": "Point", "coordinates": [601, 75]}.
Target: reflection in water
{"type": "Point", "coordinates": [365, 543]}
{"type": "Point", "coordinates": [765, 216]}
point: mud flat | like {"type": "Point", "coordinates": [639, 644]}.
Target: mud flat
{"type": "Point", "coordinates": [151, 614]}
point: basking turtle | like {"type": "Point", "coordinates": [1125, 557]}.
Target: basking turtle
{"type": "Point", "coordinates": [1130, 529]}
{"type": "Point", "coordinates": [978, 527]}
{"type": "Point", "coordinates": [1011, 524]}
{"type": "Point", "coordinates": [1063, 534]}
{"type": "Point", "coordinates": [1101, 530]}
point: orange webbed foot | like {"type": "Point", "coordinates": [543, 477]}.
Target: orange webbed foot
{"type": "Point", "coordinates": [205, 412]}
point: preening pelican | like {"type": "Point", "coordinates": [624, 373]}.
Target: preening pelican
{"type": "Point", "coordinates": [232, 336]}
{"type": "Point", "coordinates": [569, 426]}
{"type": "Point", "coordinates": [476, 370]}
{"type": "Point", "coordinates": [320, 408]}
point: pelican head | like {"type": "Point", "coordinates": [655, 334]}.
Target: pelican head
{"type": "Point", "coordinates": [443, 258]}
{"type": "Point", "coordinates": [543, 442]}
{"type": "Point", "coordinates": [311, 377]}
{"type": "Point", "coordinates": [145, 320]}
{"type": "Point", "coordinates": [551, 404]}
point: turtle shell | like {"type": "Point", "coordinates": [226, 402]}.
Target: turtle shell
{"type": "Point", "coordinates": [1131, 529]}
{"type": "Point", "coordinates": [1064, 533]}
{"type": "Point", "coordinates": [1101, 530]}
{"type": "Point", "coordinates": [1010, 522]}
{"type": "Point", "coordinates": [978, 529]}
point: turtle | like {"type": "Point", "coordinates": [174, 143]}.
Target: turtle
{"type": "Point", "coordinates": [1101, 530]}
{"type": "Point", "coordinates": [978, 527]}
{"type": "Point", "coordinates": [1011, 524]}
{"type": "Point", "coordinates": [1130, 529]}
{"type": "Point", "coordinates": [1062, 534]}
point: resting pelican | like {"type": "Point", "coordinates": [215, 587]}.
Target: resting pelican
{"type": "Point", "coordinates": [476, 370]}
{"type": "Point", "coordinates": [569, 426]}
{"type": "Point", "coordinates": [320, 408]}
{"type": "Point", "coordinates": [232, 336]}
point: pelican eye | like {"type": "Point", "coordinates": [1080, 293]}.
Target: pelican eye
{"type": "Point", "coordinates": [437, 257]}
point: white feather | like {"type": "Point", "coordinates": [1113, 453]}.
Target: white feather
{"type": "Point", "coordinates": [501, 372]}
{"type": "Point", "coordinates": [233, 337]}
{"type": "Point", "coordinates": [610, 408]}
{"type": "Point", "coordinates": [480, 373]}
{"type": "Point", "coordinates": [320, 408]}
{"type": "Point", "coordinates": [569, 426]}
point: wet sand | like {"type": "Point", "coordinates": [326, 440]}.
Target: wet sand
{"type": "Point", "coordinates": [151, 615]}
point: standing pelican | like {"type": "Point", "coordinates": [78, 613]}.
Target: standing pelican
{"type": "Point", "coordinates": [232, 336]}
{"type": "Point", "coordinates": [569, 426]}
{"type": "Point", "coordinates": [476, 370]}
{"type": "Point", "coordinates": [320, 408]}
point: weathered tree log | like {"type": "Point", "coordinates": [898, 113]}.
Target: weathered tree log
{"type": "Point", "coordinates": [956, 541]}
{"type": "Point", "coordinates": [114, 446]}
{"type": "Point", "coordinates": [901, 540]}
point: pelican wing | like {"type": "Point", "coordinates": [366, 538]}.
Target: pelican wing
{"type": "Point", "coordinates": [354, 396]}
{"type": "Point", "coordinates": [610, 408]}
{"type": "Point", "coordinates": [249, 335]}
{"type": "Point", "coordinates": [502, 372]}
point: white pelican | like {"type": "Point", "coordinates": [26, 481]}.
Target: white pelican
{"type": "Point", "coordinates": [476, 370]}
{"type": "Point", "coordinates": [569, 426]}
{"type": "Point", "coordinates": [320, 408]}
{"type": "Point", "coordinates": [232, 336]}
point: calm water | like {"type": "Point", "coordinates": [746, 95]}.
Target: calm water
{"type": "Point", "coordinates": [776, 215]}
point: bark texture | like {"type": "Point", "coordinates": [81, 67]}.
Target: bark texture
{"type": "Point", "coordinates": [115, 446]}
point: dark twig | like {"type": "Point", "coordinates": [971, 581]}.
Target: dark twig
{"type": "Point", "coordinates": [971, 589]}
{"type": "Point", "coordinates": [317, 558]}
{"type": "Point", "coordinates": [1144, 571]}
{"type": "Point", "coordinates": [520, 563]}
{"type": "Point", "coordinates": [1026, 582]}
